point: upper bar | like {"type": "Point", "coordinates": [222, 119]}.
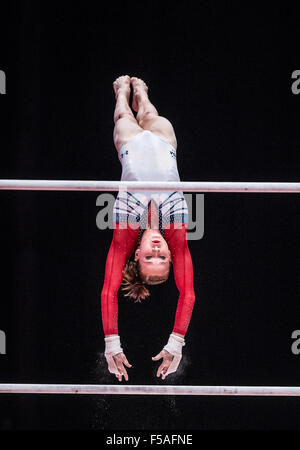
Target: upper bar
{"type": "Point", "coordinates": [116, 389]}
{"type": "Point", "coordinates": [186, 186]}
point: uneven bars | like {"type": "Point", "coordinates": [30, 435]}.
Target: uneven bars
{"type": "Point", "coordinates": [149, 390]}
{"type": "Point", "coordinates": [186, 186]}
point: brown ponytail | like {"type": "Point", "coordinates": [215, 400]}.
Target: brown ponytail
{"type": "Point", "coordinates": [132, 282]}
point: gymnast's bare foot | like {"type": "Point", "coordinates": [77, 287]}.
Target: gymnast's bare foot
{"type": "Point", "coordinates": [140, 89]}
{"type": "Point", "coordinates": [122, 85]}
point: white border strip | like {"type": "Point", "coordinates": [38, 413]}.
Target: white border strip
{"type": "Point", "coordinates": [148, 390]}
{"type": "Point", "coordinates": [186, 186]}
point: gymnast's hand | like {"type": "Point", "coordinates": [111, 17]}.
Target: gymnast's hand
{"type": "Point", "coordinates": [121, 361]}
{"type": "Point", "coordinates": [171, 354]}
{"type": "Point", "coordinates": [115, 357]}
{"type": "Point", "coordinates": [164, 368]}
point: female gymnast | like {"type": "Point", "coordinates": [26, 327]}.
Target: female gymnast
{"type": "Point", "coordinates": [149, 228]}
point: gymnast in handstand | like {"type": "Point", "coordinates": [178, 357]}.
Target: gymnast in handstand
{"type": "Point", "coordinates": [150, 228]}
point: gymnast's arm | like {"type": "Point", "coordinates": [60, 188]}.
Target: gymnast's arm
{"type": "Point", "coordinates": [122, 245]}
{"type": "Point", "coordinates": [183, 273]}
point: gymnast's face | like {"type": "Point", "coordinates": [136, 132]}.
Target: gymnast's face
{"type": "Point", "coordinates": [154, 257]}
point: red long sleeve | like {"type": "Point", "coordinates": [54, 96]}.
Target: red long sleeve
{"type": "Point", "coordinates": [122, 246]}
{"type": "Point", "coordinates": [183, 274]}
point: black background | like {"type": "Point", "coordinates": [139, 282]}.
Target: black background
{"type": "Point", "coordinates": [221, 73]}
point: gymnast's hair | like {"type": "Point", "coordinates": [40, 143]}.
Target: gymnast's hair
{"type": "Point", "coordinates": [134, 284]}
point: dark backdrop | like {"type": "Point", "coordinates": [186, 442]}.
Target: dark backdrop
{"type": "Point", "coordinates": [222, 75]}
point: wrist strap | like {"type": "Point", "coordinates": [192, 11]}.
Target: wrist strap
{"type": "Point", "coordinates": [113, 345]}
{"type": "Point", "coordinates": [175, 344]}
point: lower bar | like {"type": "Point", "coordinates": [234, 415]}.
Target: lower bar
{"type": "Point", "coordinates": [186, 186]}
{"type": "Point", "coordinates": [148, 389]}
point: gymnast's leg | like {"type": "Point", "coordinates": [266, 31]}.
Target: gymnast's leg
{"type": "Point", "coordinates": [147, 115]}
{"type": "Point", "coordinates": [126, 126]}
